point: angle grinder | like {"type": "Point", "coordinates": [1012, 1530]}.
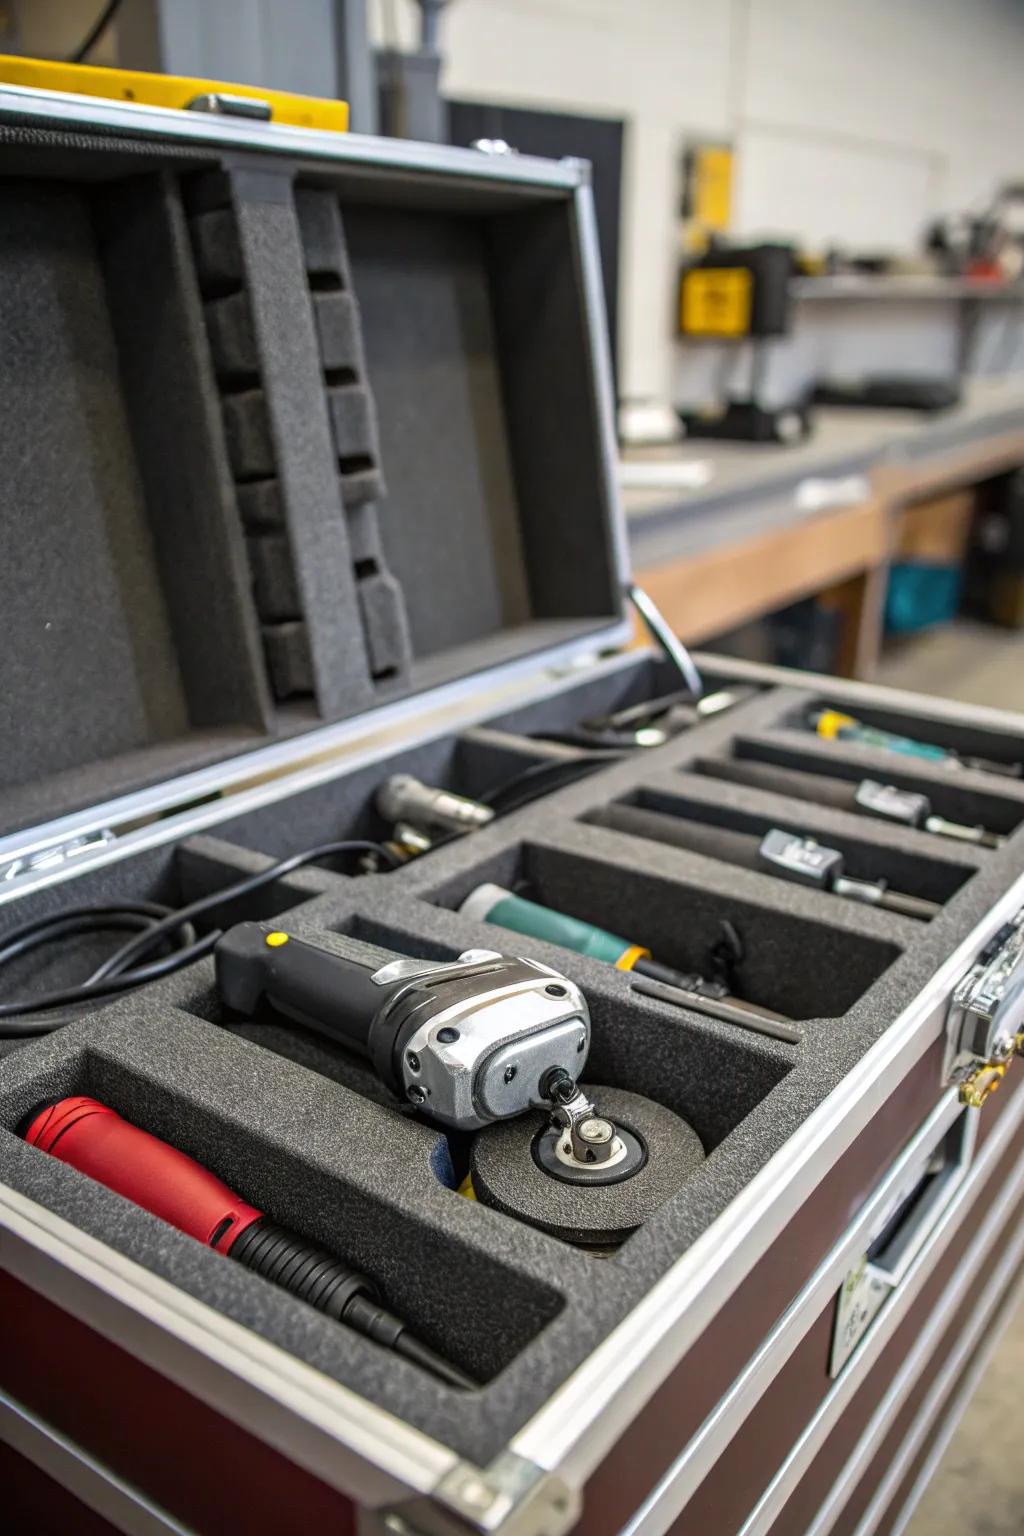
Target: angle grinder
{"type": "Point", "coordinates": [467, 1042]}
{"type": "Point", "coordinates": [489, 1044]}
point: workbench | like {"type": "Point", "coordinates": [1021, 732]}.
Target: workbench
{"type": "Point", "coordinates": [745, 543]}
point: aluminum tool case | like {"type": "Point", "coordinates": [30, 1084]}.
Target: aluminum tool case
{"type": "Point", "coordinates": [306, 474]}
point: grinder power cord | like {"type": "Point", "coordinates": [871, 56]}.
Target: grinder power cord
{"type": "Point", "coordinates": [157, 928]}
{"type": "Point", "coordinates": [95, 1139]}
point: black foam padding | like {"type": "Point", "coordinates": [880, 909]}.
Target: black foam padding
{"type": "Point", "coordinates": [363, 534]}
{"type": "Point", "coordinates": [259, 503]}
{"type": "Point", "coordinates": [111, 597]}
{"type": "Point", "coordinates": [273, 577]}
{"type": "Point", "coordinates": [506, 1173]}
{"type": "Point", "coordinates": [68, 628]}
{"type": "Point", "coordinates": [819, 789]}
{"type": "Point", "coordinates": [218, 253]}
{"type": "Point", "coordinates": [304, 459]}
{"type": "Point", "coordinates": [323, 243]}
{"type": "Point", "coordinates": [384, 624]}
{"type": "Point", "coordinates": [353, 425]}
{"type": "Point", "coordinates": [541, 320]}
{"type": "Point", "coordinates": [359, 486]}
{"type": "Point", "coordinates": [337, 327]}
{"type": "Point", "coordinates": [174, 421]}
{"type": "Point", "coordinates": [431, 356]}
{"type": "Point", "coordinates": [288, 657]}
{"type": "Point", "coordinates": [232, 339]}
{"type": "Point", "coordinates": [209, 191]}
{"type": "Point", "coordinates": [247, 425]}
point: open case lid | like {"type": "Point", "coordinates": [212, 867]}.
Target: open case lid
{"type": "Point", "coordinates": [294, 427]}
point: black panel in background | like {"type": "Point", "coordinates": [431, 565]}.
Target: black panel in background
{"type": "Point", "coordinates": [555, 134]}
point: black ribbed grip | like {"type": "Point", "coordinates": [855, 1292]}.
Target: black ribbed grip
{"type": "Point", "coordinates": [815, 787]}
{"type": "Point", "coordinates": [316, 1277]}
{"type": "Point", "coordinates": [331, 1287]}
{"type": "Point", "coordinates": [743, 848]}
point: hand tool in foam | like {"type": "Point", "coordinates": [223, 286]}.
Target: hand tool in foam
{"type": "Point", "coordinates": [648, 724]}
{"type": "Point", "coordinates": [869, 797]}
{"type": "Point", "coordinates": [833, 725]}
{"type": "Point", "coordinates": [781, 853]}
{"type": "Point", "coordinates": [152, 1174]}
{"type": "Point", "coordinates": [468, 1042]}
{"type": "Point", "coordinates": [493, 904]}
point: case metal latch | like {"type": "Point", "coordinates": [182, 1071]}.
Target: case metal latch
{"type": "Point", "coordinates": [985, 1027]}
{"type": "Point", "coordinates": [34, 861]}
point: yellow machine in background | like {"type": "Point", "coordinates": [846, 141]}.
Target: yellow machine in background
{"type": "Point", "coordinates": [175, 91]}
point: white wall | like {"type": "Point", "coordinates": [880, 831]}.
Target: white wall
{"type": "Point", "coordinates": [853, 120]}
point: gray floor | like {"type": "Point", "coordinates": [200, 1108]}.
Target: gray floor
{"type": "Point", "coordinates": [974, 663]}
{"type": "Point", "coordinates": [979, 1487]}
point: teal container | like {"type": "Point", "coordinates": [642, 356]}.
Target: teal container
{"type": "Point", "coordinates": [920, 596]}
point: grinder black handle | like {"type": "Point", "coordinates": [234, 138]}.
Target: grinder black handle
{"type": "Point", "coordinates": [818, 788]}
{"type": "Point", "coordinates": [259, 964]}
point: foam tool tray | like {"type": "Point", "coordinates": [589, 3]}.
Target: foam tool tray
{"type": "Point", "coordinates": [303, 1128]}
{"type": "Point", "coordinates": [302, 435]}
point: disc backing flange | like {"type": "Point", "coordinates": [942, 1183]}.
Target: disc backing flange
{"type": "Point", "coordinates": [507, 1174]}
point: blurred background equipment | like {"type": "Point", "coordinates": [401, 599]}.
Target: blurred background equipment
{"type": "Point", "coordinates": [740, 296]}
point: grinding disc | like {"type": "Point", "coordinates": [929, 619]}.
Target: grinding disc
{"type": "Point", "coordinates": [507, 1175]}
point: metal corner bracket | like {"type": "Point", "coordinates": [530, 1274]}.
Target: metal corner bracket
{"type": "Point", "coordinates": [513, 1497]}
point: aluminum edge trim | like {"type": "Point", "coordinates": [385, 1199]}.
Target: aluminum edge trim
{"type": "Point", "coordinates": [350, 1444]}
{"type": "Point", "coordinates": [724, 1421]}
{"type": "Point", "coordinates": [874, 695]}
{"type": "Point", "coordinates": [814, 1433]}
{"type": "Point", "coordinates": [575, 1429]}
{"type": "Point", "coordinates": [358, 743]}
{"type": "Point", "coordinates": [986, 1322]}
{"type": "Point", "coordinates": [67, 109]}
{"type": "Point", "coordinates": [95, 1485]}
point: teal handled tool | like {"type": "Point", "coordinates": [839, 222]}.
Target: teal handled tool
{"type": "Point", "coordinates": [833, 725]}
{"type": "Point", "coordinates": [494, 904]}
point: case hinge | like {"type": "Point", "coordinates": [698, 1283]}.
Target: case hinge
{"type": "Point", "coordinates": [513, 1497]}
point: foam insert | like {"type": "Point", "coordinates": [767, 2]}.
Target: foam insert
{"type": "Point", "coordinates": [301, 1127]}
{"type": "Point", "coordinates": [185, 369]}
{"type": "Point", "coordinates": [104, 652]}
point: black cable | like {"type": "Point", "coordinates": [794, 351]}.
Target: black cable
{"type": "Point", "coordinates": [158, 925]}
{"type": "Point", "coordinates": [95, 32]}
{"type": "Point", "coordinates": [504, 796]}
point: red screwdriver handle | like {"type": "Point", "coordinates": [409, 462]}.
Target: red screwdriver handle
{"type": "Point", "coordinates": [95, 1140]}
